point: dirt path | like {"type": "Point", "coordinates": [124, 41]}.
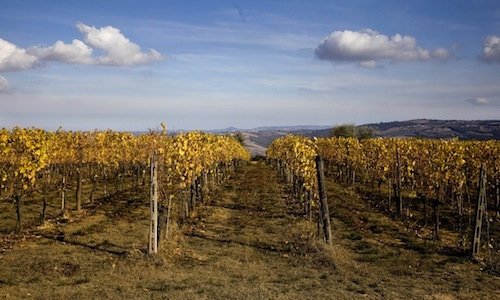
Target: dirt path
{"type": "Point", "coordinates": [249, 242]}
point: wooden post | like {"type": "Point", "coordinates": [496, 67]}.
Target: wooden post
{"type": "Point", "coordinates": [63, 195]}
{"type": "Point", "coordinates": [200, 190]}
{"type": "Point", "coordinates": [480, 212]}
{"type": "Point", "coordinates": [44, 205]}
{"type": "Point", "coordinates": [185, 206]}
{"type": "Point", "coordinates": [435, 209]}
{"type": "Point", "coordinates": [325, 214]}
{"type": "Point", "coordinates": [78, 189]}
{"type": "Point", "coordinates": [153, 224]}
{"type": "Point", "coordinates": [497, 192]}
{"type": "Point", "coordinates": [46, 179]}
{"type": "Point", "coordinates": [137, 176]}
{"type": "Point", "coordinates": [205, 182]}
{"type": "Point", "coordinates": [94, 188]}
{"type": "Point", "coordinates": [169, 209]}
{"type": "Point", "coordinates": [17, 200]}
{"type": "Point", "coordinates": [105, 178]}
{"type": "Point", "coordinates": [197, 185]}
{"type": "Point", "coordinates": [192, 199]}
{"type": "Point", "coordinates": [217, 175]}
{"type": "Point", "coordinates": [309, 206]}
{"type": "Point", "coordinates": [399, 196]}
{"type": "Point", "coordinates": [213, 178]}
{"type": "Point", "coordinates": [389, 199]}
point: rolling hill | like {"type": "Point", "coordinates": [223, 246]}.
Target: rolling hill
{"type": "Point", "coordinates": [258, 139]}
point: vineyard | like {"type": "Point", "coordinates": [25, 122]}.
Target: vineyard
{"type": "Point", "coordinates": [410, 178]}
{"type": "Point", "coordinates": [35, 162]}
{"type": "Point", "coordinates": [106, 214]}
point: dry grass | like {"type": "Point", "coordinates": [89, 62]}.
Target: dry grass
{"type": "Point", "coordinates": [248, 242]}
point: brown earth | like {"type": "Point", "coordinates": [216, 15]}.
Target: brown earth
{"type": "Point", "coordinates": [248, 242]}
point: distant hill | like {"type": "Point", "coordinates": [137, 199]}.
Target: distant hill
{"type": "Point", "coordinates": [465, 130]}
{"type": "Point", "coordinates": [290, 128]}
{"type": "Point", "coordinates": [425, 128]}
{"type": "Point", "coordinates": [259, 139]}
{"type": "Point", "coordinates": [226, 130]}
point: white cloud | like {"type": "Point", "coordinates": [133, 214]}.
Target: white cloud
{"type": "Point", "coordinates": [75, 53]}
{"type": "Point", "coordinates": [368, 46]}
{"type": "Point", "coordinates": [479, 101]}
{"type": "Point", "coordinates": [13, 58]}
{"type": "Point", "coordinates": [491, 49]}
{"type": "Point", "coordinates": [118, 49]}
{"type": "Point", "coordinates": [4, 84]}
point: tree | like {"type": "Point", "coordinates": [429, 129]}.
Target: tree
{"type": "Point", "coordinates": [363, 132]}
{"type": "Point", "coordinates": [344, 130]}
{"type": "Point", "coordinates": [240, 138]}
{"type": "Point", "coordinates": [350, 130]}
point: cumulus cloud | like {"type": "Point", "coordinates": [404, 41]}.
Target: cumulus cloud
{"type": "Point", "coordinates": [13, 58]}
{"type": "Point", "coordinates": [479, 101]}
{"type": "Point", "coordinates": [368, 46]}
{"type": "Point", "coordinates": [491, 49]}
{"type": "Point", "coordinates": [118, 49]}
{"type": "Point", "coordinates": [75, 53]}
{"type": "Point", "coordinates": [4, 84]}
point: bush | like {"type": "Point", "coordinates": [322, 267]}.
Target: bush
{"type": "Point", "coordinates": [350, 130]}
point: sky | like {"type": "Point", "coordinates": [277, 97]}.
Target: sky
{"type": "Point", "coordinates": [130, 65]}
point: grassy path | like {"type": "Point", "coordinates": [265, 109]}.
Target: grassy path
{"type": "Point", "coordinates": [248, 242]}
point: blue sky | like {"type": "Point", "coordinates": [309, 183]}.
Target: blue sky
{"type": "Point", "coordinates": [129, 65]}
